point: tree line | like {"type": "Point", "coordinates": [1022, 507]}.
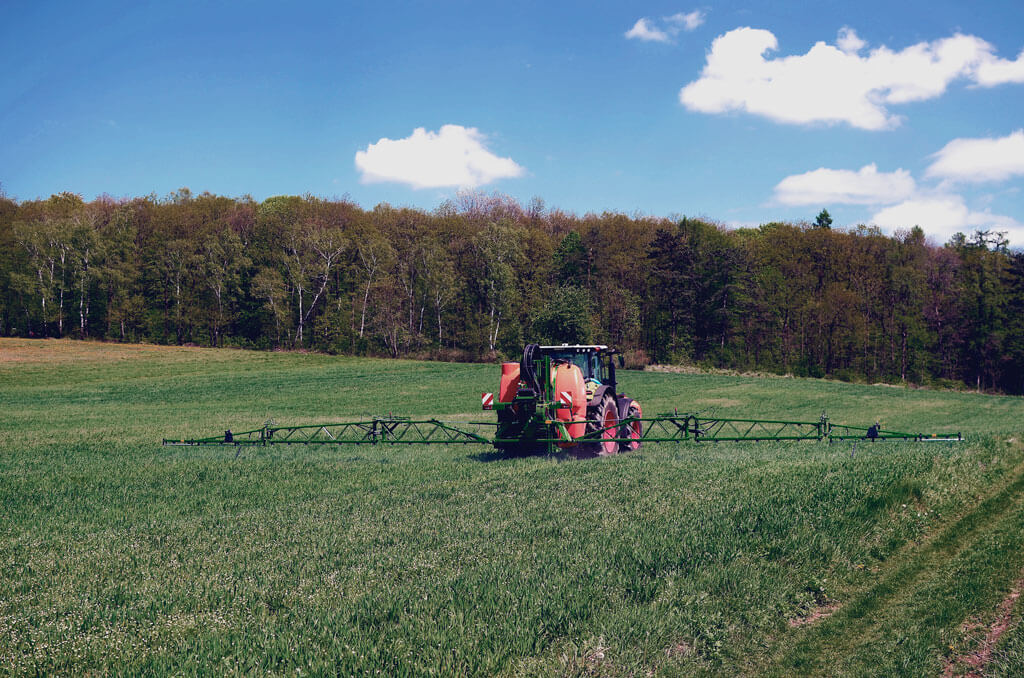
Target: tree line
{"type": "Point", "coordinates": [481, 275]}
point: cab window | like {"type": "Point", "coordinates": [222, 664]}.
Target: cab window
{"type": "Point", "coordinates": [580, 360]}
{"type": "Point", "coordinates": [595, 367]}
{"type": "Point", "coordinates": [589, 363]}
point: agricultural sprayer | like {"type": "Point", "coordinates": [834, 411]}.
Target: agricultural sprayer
{"type": "Point", "coordinates": [559, 398]}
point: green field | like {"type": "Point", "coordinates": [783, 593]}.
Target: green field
{"type": "Point", "coordinates": [119, 556]}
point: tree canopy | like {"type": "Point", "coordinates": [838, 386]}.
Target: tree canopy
{"type": "Point", "coordinates": [481, 275]}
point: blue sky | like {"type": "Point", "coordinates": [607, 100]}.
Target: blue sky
{"type": "Point", "coordinates": [881, 112]}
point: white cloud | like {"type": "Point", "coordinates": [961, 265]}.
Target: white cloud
{"type": "Point", "coordinates": [643, 29]}
{"type": "Point", "coordinates": [866, 186]}
{"type": "Point", "coordinates": [1000, 71]}
{"type": "Point", "coordinates": [665, 29]}
{"type": "Point", "coordinates": [848, 41]}
{"type": "Point", "coordinates": [943, 215]}
{"type": "Point", "coordinates": [688, 21]}
{"type": "Point", "coordinates": [835, 84]}
{"type": "Point", "coordinates": [976, 160]}
{"type": "Point", "coordinates": [455, 156]}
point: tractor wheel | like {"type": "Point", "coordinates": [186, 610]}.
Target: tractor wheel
{"type": "Point", "coordinates": [507, 426]}
{"type": "Point", "coordinates": [606, 417]}
{"type": "Point", "coordinates": [633, 429]}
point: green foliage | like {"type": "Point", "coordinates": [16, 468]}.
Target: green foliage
{"type": "Point", "coordinates": [571, 262]}
{"type": "Point", "coordinates": [474, 277]}
{"type": "Point", "coordinates": [717, 281]}
{"type": "Point", "coordinates": [823, 220]}
{"type": "Point", "coordinates": [500, 251]}
{"type": "Point", "coordinates": [565, 317]}
{"type": "Point", "coordinates": [982, 277]}
{"type": "Point", "coordinates": [670, 296]}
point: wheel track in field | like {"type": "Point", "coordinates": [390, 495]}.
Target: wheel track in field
{"type": "Point", "coordinates": [860, 619]}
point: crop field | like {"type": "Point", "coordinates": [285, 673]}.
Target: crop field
{"type": "Point", "coordinates": [119, 556]}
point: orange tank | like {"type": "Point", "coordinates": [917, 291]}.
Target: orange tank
{"type": "Point", "coordinates": [509, 382]}
{"type": "Point", "coordinates": [569, 379]}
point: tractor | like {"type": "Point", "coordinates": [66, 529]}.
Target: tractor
{"type": "Point", "coordinates": [565, 396]}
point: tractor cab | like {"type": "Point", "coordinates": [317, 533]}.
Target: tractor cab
{"type": "Point", "coordinates": [594, 361]}
{"type": "Point", "coordinates": [588, 358]}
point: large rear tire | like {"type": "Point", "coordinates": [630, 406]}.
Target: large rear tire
{"type": "Point", "coordinates": [632, 429]}
{"type": "Point", "coordinates": [606, 420]}
{"type": "Point", "coordinates": [507, 427]}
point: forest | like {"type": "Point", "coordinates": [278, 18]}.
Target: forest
{"type": "Point", "coordinates": [481, 275]}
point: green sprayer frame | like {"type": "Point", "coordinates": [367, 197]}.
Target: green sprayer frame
{"type": "Point", "coordinates": [388, 430]}
{"type": "Point", "coordinates": [663, 428]}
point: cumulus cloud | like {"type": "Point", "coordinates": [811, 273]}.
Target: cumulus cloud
{"type": "Point", "coordinates": [999, 71]}
{"type": "Point", "coordinates": [455, 156]}
{"type": "Point", "coordinates": [835, 83]}
{"type": "Point", "coordinates": [866, 186]}
{"type": "Point", "coordinates": [944, 215]}
{"type": "Point", "coordinates": [848, 41]}
{"type": "Point", "coordinates": [667, 28]}
{"type": "Point", "coordinates": [978, 160]}
{"type": "Point", "coordinates": [689, 21]}
{"type": "Point", "coordinates": [643, 29]}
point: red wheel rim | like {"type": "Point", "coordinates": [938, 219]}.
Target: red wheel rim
{"type": "Point", "coordinates": [635, 432]}
{"type": "Point", "coordinates": [609, 424]}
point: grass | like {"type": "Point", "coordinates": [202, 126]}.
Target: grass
{"type": "Point", "coordinates": [1009, 656]}
{"type": "Point", "coordinates": [119, 556]}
